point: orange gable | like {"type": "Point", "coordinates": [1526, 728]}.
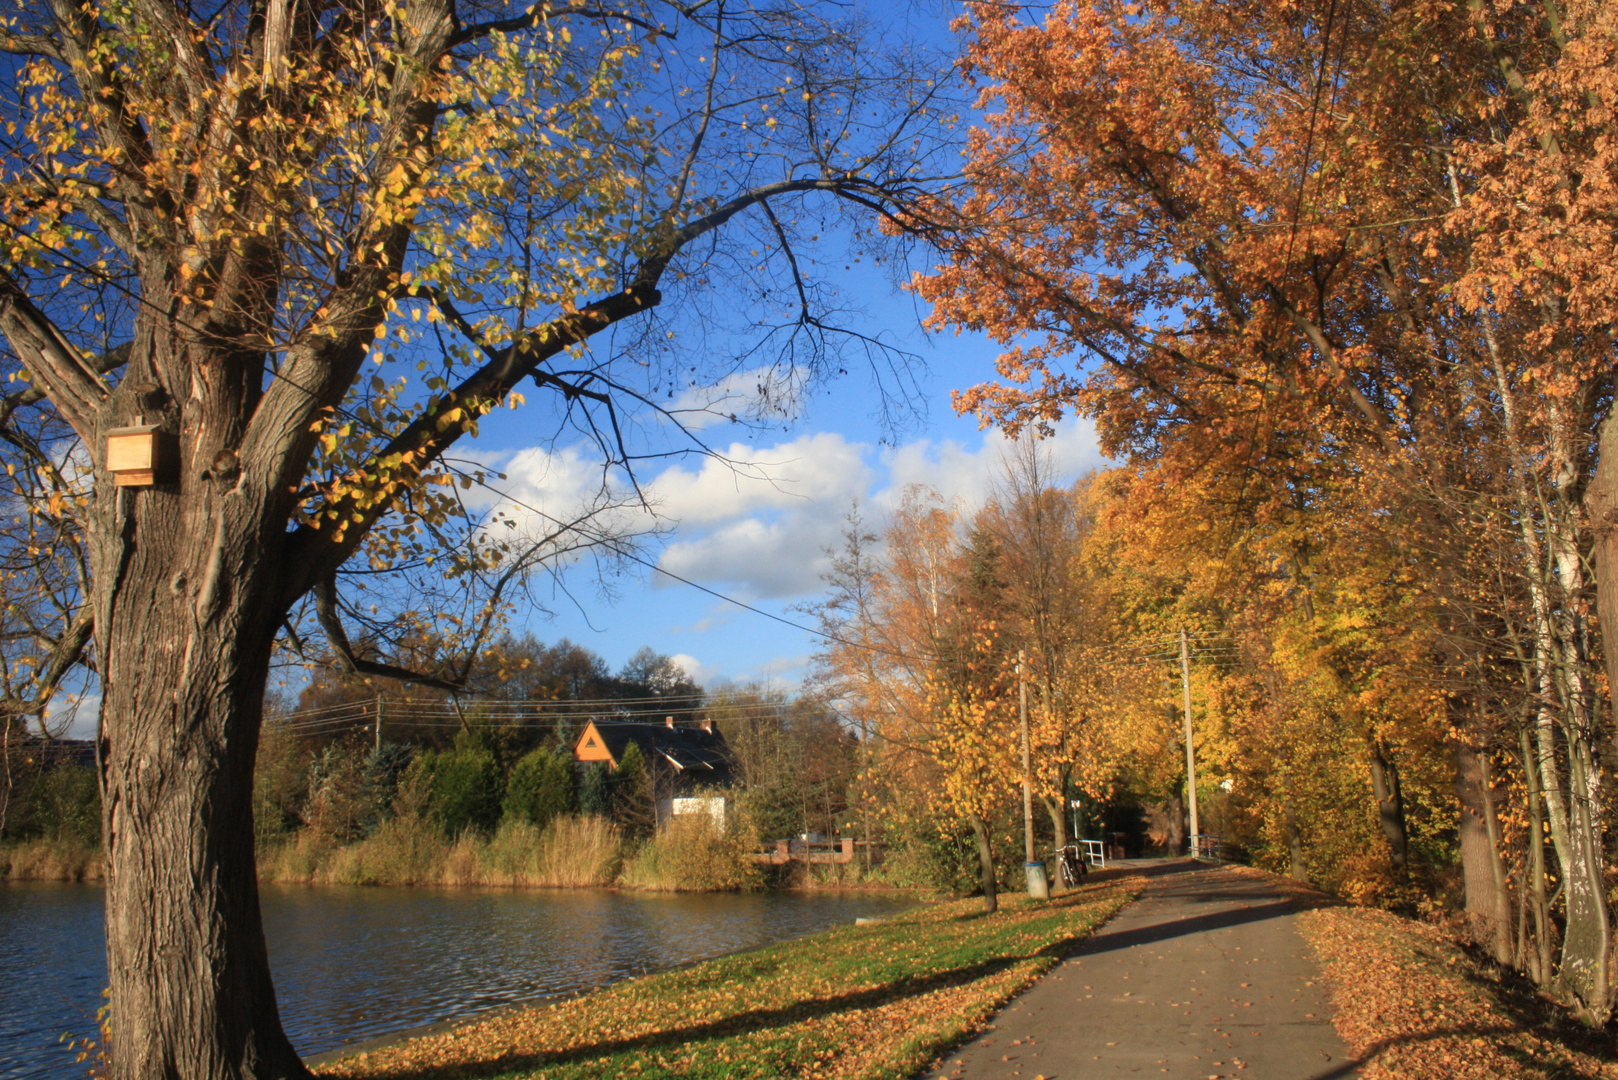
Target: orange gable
{"type": "Point", "coordinates": [590, 746]}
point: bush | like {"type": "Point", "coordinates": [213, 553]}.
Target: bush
{"type": "Point", "coordinates": [938, 854]}
{"type": "Point", "coordinates": [65, 803]}
{"type": "Point", "coordinates": [338, 801]}
{"type": "Point", "coordinates": [692, 853]}
{"type": "Point", "coordinates": [466, 790]}
{"type": "Point", "coordinates": [540, 788]}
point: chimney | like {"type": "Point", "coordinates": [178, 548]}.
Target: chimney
{"type": "Point", "coordinates": [668, 721]}
{"type": "Point", "coordinates": [707, 725]}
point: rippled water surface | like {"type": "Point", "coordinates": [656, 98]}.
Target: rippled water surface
{"type": "Point", "coordinates": [351, 963]}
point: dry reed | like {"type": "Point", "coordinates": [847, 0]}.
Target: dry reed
{"type": "Point", "coordinates": [50, 860]}
{"type": "Point", "coordinates": [694, 854]}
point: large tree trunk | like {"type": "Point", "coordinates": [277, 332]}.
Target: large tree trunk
{"type": "Point", "coordinates": [1601, 508]}
{"type": "Point", "coordinates": [188, 593]}
{"type": "Point", "coordinates": [1175, 811]}
{"type": "Point", "coordinates": [1585, 971]}
{"type": "Point", "coordinates": [1487, 911]}
{"type": "Point", "coordinates": [1390, 808]}
{"type": "Point", "coordinates": [991, 886]}
{"type": "Point", "coordinates": [1299, 869]}
{"type": "Point", "coordinates": [1058, 815]}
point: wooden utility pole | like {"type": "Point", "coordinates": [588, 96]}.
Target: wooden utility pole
{"type": "Point", "coordinates": [379, 723]}
{"type": "Point", "coordinates": [1190, 753]}
{"type": "Point", "coordinates": [1027, 765]}
{"type": "Point", "coordinates": [1038, 884]}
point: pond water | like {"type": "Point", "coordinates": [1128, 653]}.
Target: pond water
{"type": "Point", "coordinates": [353, 963]}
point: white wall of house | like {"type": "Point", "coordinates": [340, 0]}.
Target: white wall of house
{"type": "Point", "coordinates": [716, 806]}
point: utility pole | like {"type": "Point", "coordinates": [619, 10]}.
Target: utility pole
{"type": "Point", "coordinates": [1038, 885]}
{"type": "Point", "coordinates": [1190, 753]}
{"type": "Point", "coordinates": [379, 723]}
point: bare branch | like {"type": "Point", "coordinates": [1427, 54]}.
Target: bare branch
{"type": "Point", "coordinates": [325, 594]}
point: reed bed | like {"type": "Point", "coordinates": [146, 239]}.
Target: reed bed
{"type": "Point", "coordinates": [692, 854]}
{"type": "Point", "coordinates": [51, 860]}
{"type": "Point", "coordinates": [410, 850]}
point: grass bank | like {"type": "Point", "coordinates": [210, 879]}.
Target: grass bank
{"type": "Point", "coordinates": [1413, 1005]}
{"type": "Point", "coordinates": [870, 1002]}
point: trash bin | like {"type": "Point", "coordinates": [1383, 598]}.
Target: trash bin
{"type": "Point", "coordinates": [1039, 887]}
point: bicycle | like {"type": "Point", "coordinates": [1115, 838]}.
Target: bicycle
{"type": "Point", "coordinates": [1072, 867]}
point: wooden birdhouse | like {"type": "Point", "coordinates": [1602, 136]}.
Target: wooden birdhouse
{"type": "Point", "coordinates": [140, 456]}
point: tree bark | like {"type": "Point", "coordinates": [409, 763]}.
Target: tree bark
{"type": "Point", "coordinates": [1299, 870]}
{"type": "Point", "coordinates": [1534, 889]}
{"type": "Point", "coordinates": [1058, 815]}
{"type": "Point", "coordinates": [1585, 972]}
{"type": "Point", "coordinates": [1175, 811]}
{"type": "Point", "coordinates": [188, 592]}
{"type": "Point", "coordinates": [991, 886]}
{"type": "Point", "coordinates": [1601, 503]}
{"type": "Point", "coordinates": [1390, 805]}
{"type": "Point", "coordinates": [1489, 918]}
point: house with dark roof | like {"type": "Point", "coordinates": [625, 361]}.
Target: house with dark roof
{"type": "Point", "coordinates": [691, 755]}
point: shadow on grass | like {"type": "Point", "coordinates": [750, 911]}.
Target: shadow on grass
{"type": "Point", "coordinates": [744, 1023]}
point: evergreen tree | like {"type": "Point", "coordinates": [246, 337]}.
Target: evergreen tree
{"type": "Point", "coordinates": [540, 787]}
{"type": "Point", "coordinates": [633, 796]}
{"type": "Point", "coordinates": [595, 793]}
{"type": "Point", "coordinates": [466, 790]}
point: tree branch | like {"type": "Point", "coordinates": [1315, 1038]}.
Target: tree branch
{"type": "Point", "coordinates": [427, 437]}
{"type": "Point", "coordinates": [72, 383]}
{"type": "Point", "coordinates": [325, 594]}
{"type": "Point", "coordinates": [64, 656]}
{"type": "Point", "coordinates": [539, 13]}
{"type": "Point", "coordinates": [106, 363]}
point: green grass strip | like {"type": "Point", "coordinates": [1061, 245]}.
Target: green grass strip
{"type": "Point", "coordinates": [876, 1001]}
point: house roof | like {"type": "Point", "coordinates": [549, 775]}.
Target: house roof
{"type": "Point", "coordinates": [689, 748]}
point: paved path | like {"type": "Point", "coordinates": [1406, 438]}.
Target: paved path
{"type": "Point", "coordinates": [1204, 976]}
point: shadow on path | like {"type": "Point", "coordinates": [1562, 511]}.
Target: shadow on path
{"type": "Point", "coordinates": [1197, 924]}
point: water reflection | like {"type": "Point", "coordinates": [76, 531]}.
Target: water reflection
{"type": "Point", "coordinates": [352, 963]}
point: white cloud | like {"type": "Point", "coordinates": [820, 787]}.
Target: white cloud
{"type": "Point", "coordinates": [757, 393]}
{"type": "Point", "coordinates": [698, 672]}
{"type": "Point", "coordinates": [957, 472]}
{"type": "Point", "coordinates": [74, 715]}
{"type": "Point", "coordinates": [766, 558]}
{"type": "Point", "coordinates": [809, 471]}
{"type": "Point", "coordinates": [756, 520]}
